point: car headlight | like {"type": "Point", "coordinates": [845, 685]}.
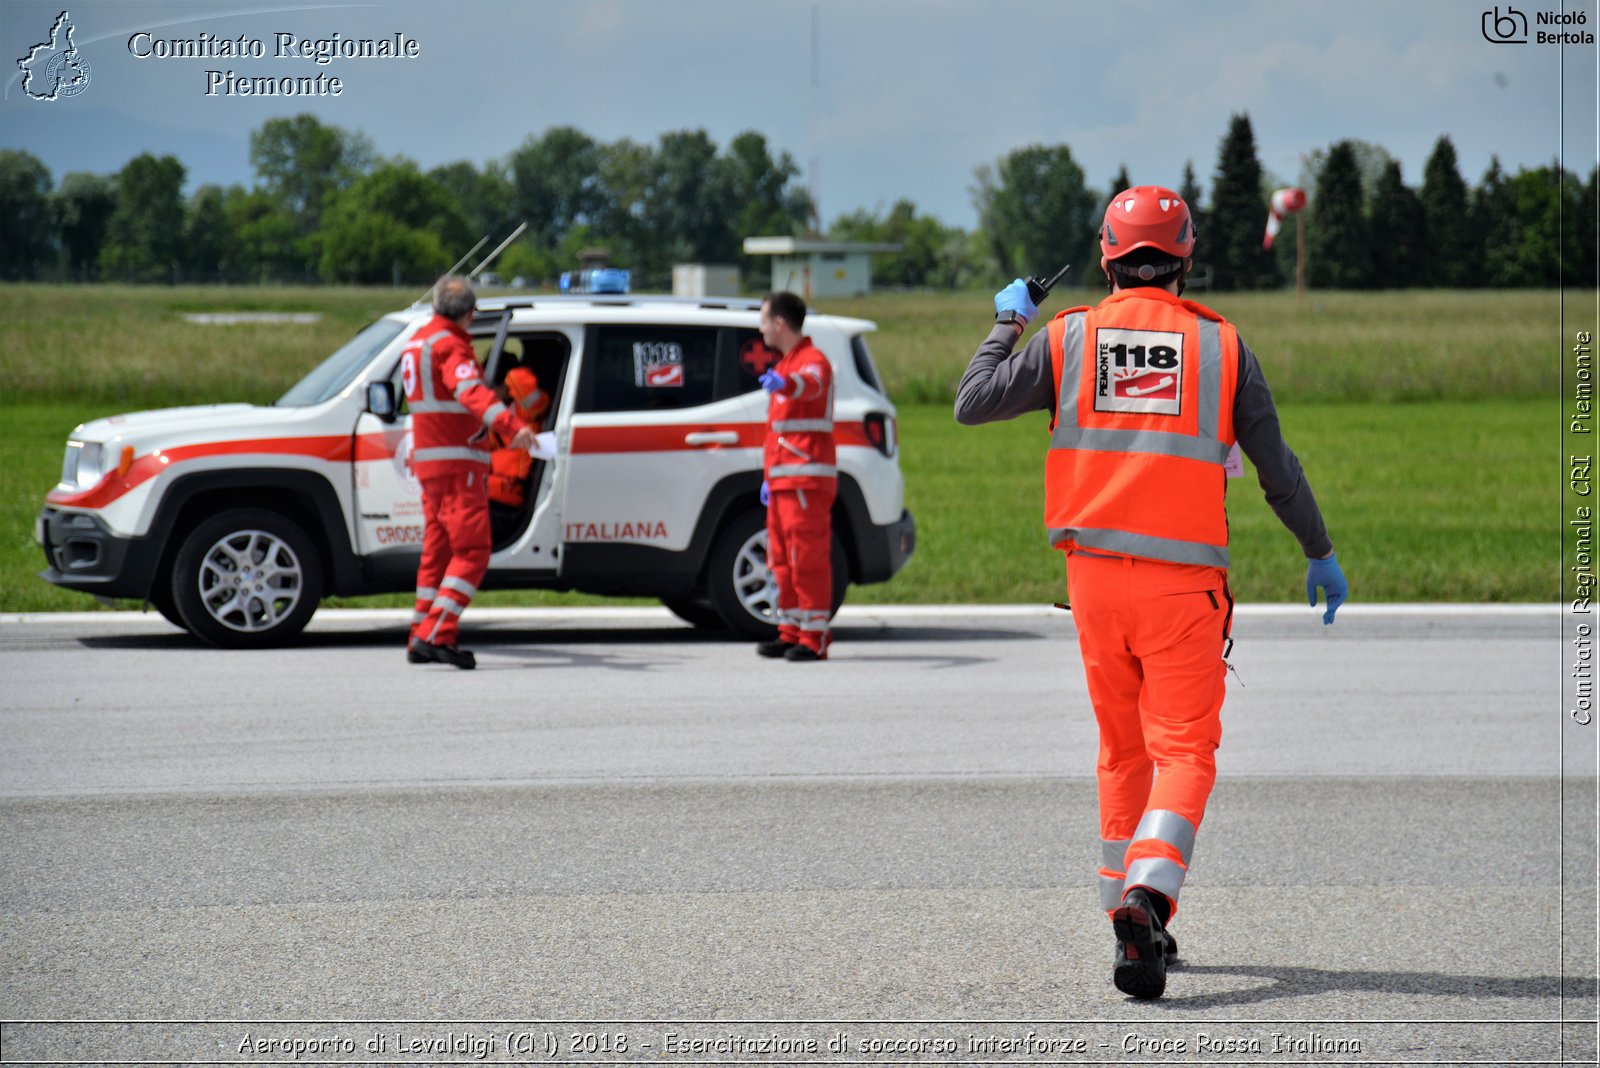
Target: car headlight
{"type": "Point", "coordinates": [83, 465]}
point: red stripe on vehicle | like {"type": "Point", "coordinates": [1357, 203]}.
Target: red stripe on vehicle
{"type": "Point", "coordinates": [113, 486]}
{"type": "Point", "coordinates": [603, 439]}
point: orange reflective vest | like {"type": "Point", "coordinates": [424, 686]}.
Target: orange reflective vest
{"type": "Point", "coordinates": [1145, 385]}
{"type": "Point", "coordinates": [508, 476]}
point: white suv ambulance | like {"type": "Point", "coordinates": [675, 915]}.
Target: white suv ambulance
{"type": "Point", "coordinates": [234, 520]}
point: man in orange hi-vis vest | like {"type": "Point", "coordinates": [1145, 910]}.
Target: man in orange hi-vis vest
{"type": "Point", "coordinates": [1148, 395]}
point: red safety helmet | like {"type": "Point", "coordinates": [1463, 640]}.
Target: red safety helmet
{"type": "Point", "coordinates": [531, 401]}
{"type": "Point", "coordinates": [1147, 216]}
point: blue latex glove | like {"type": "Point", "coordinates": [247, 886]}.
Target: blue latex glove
{"type": "Point", "coordinates": [1327, 575]}
{"type": "Point", "coordinates": [771, 381]}
{"type": "Point", "coordinates": [1014, 297]}
{"type": "Point", "coordinates": [766, 495]}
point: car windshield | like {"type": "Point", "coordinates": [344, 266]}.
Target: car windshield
{"type": "Point", "coordinates": [333, 374]}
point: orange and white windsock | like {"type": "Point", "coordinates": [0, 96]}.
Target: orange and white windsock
{"type": "Point", "coordinates": [1284, 202]}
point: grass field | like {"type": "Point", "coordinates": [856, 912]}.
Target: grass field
{"type": "Point", "coordinates": [1427, 422]}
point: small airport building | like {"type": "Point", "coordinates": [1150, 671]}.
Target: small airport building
{"type": "Point", "coordinates": [817, 268]}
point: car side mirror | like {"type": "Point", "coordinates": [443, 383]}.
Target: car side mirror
{"type": "Point", "coordinates": [381, 400]}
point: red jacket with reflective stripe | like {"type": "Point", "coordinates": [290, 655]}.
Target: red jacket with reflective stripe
{"type": "Point", "coordinates": [452, 411]}
{"type": "Point", "coordinates": [1145, 386]}
{"type": "Point", "coordinates": [799, 452]}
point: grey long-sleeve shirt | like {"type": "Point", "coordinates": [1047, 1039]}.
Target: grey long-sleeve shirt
{"type": "Point", "coordinates": [1002, 384]}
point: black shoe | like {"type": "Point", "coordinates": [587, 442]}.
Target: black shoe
{"type": "Point", "coordinates": [774, 649]}
{"type": "Point", "coordinates": [1143, 947]}
{"type": "Point", "coordinates": [415, 655]}
{"type": "Point", "coordinates": [447, 654]}
{"type": "Point", "coordinates": [803, 652]}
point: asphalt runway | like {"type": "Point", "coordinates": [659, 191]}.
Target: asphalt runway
{"type": "Point", "coordinates": [625, 840]}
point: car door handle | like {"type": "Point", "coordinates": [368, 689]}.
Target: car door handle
{"type": "Point", "coordinates": [711, 437]}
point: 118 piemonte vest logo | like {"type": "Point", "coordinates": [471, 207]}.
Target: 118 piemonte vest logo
{"type": "Point", "coordinates": [1138, 371]}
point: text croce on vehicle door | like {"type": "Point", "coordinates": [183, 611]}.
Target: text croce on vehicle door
{"type": "Point", "coordinates": [659, 421]}
{"type": "Point", "coordinates": [388, 497]}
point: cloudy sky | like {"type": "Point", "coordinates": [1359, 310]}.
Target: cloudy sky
{"type": "Point", "coordinates": [908, 98]}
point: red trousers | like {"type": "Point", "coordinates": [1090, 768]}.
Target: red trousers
{"type": "Point", "coordinates": [455, 552]}
{"type": "Point", "coordinates": [1152, 637]}
{"type": "Point", "coordinates": [800, 554]}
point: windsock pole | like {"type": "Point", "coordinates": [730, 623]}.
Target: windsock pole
{"type": "Point", "coordinates": [1300, 258]}
{"type": "Point", "coordinates": [1290, 201]}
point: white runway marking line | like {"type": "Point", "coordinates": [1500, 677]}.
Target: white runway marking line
{"type": "Point", "coordinates": [847, 615]}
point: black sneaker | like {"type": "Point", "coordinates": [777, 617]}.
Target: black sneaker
{"type": "Point", "coordinates": [803, 652]}
{"type": "Point", "coordinates": [415, 655]}
{"type": "Point", "coordinates": [447, 654]}
{"type": "Point", "coordinates": [774, 649]}
{"type": "Point", "coordinates": [1143, 947]}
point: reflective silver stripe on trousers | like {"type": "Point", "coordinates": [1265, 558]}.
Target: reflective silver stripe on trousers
{"type": "Point", "coordinates": [426, 593]}
{"type": "Point", "coordinates": [492, 413]}
{"type": "Point", "coordinates": [1131, 544]}
{"type": "Point", "coordinates": [1168, 827]}
{"type": "Point", "coordinates": [810, 621]}
{"type": "Point", "coordinates": [418, 617]}
{"type": "Point", "coordinates": [796, 470]}
{"type": "Point", "coordinates": [440, 406]}
{"type": "Point", "coordinates": [783, 426]}
{"type": "Point", "coordinates": [459, 585]}
{"type": "Point", "coordinates": [450, 453]}
{"type": "Point", "coordinates": [449, 607]}
{"type": "Point", "coordinates": [1111, 859]}
{"type": "Point", "coordinates": [1158, 873]}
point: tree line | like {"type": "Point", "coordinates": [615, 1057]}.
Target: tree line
{"type": "Point", "coordinates": [325, 207]}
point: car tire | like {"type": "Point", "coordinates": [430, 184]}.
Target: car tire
{"type": "Point", "coordinates": [740, 584]}
{"type": "Point", "coordinates": [161, 600]}
{"type": "Point", "coordinates": [246, 579]}
{"type": "Point", "coordinates": [696, 611]}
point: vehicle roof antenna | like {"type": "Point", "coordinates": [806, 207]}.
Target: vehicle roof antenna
{"type": "Point", "coordinates": [498, 249]}
{"type": "Point", "coordinates": [427, 293]}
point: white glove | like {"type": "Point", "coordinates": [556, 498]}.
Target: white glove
{"type": "Point", "coordinates": [544, 446]}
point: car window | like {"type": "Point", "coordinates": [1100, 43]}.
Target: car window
{"type": "Point", "coordinates": [865, 368]}
{"type": "Point", "coordinates": [649, 368]}
{"type": "Point", "coordinates": [745, 358]}
{"type": "Point", "coordinates": [334, 373]}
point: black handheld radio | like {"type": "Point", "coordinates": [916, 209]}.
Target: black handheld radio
{"type": "Point", "coordinates": [1039, 288]}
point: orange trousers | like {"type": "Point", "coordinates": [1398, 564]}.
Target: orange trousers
{"type": "Point", "coordinates": [800, 554]}
{"type": "Point", "coordinates": [1152, 636]}
{"type": "Point", "coordinates": [455, 552]}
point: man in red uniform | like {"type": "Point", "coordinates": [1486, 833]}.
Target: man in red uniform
{"type": "Point", "coordinates": [801, 481]}
{"type": "Point", "coordinates": [1148, 394]}
{"type": "Point", "coordinates": [452, 415]}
